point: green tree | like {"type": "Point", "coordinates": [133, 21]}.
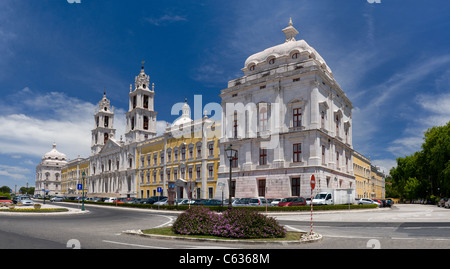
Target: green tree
{"type": "Point", "coordinates": [425, 173]}
{"type": "Point", "coordinates": [5, 189]}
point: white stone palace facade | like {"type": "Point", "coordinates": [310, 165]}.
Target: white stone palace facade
{"type": "Point", "coordinates": [288, 118]}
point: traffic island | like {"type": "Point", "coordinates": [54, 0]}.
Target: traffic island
{"type": "Point", "coordinates": [165, 233]}
{"type": "Point", "coordinates": [234, 225]}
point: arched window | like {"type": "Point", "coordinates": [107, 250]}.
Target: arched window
{"type": "Point", "coordinates": [272, 61]}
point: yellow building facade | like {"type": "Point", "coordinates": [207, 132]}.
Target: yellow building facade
{"type": "Point", "coordinates": [186, 155]}
{"type": "Point", "coordinates": [72, 175]}
{"type": "Point", "coordinates": [362, 172]}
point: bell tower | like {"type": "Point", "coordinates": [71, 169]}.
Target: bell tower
{"type": "Point", "coordinates": [141, 117]}
{"type": "Point", "coordinates": [104, 121]}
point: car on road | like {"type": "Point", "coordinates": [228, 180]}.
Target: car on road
{"type": "Point", "coordinates": [26, 201]}
{"type": "Point", "coordinates": [57, 199]}
{"type": "Point", "coordinates": [442, 202]}
{"type": "Point", "coordinates": [292, 201]}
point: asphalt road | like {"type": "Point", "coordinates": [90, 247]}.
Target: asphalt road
{"type": "Point", "coordinates": [402, 227]}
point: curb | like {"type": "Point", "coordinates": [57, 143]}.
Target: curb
{"type": "Point", "coordinates": [315, 237]}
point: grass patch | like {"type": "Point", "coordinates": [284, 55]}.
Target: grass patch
{"type": "Point", "coordinates": [32, 210]}
{"type": "Point", "coordinates": [167, 231]}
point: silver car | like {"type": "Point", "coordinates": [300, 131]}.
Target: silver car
{"type": "Point", "coordinates": [365, 201]}
{"type": "Point", "coordinates": [258, 201]}
{"type": "Point", "coordinates": [26, 202]}
{"type": "Point", "coordinates": [56, 199]}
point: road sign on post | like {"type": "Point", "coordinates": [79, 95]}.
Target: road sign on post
{"type": "Point", "coordinates": [313, 186]}
{"type": "Point", "coordinates": [313, 182]}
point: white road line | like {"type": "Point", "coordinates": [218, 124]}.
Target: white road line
{"type": "Point", "coordinates": [132, 245]}
{"type": "Point", "coordinates": [295, 229]}
{"type": "Point", "coordinates": [171, 219]}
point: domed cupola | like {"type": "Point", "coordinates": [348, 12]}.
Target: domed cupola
{"type": "Point", "coordinates": [54, 155]}
{"type": "Point", "coordinates": [185, 115]}
{"type": "Point", "coordinates": [290, 52]}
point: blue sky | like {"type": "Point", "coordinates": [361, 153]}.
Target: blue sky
{"type": "Point", "coordinates": [392, 59]}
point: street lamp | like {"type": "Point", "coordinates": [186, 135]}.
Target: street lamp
{"type": "Point", "coordinates": [84, 181]}
{"type": "Point", "coordinates": [231, 155]}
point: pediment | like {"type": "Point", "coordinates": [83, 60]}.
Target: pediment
{"type": "Point", "coordinates": [110, 145]}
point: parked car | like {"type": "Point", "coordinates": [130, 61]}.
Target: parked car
{"type": "Point", "coordinates": [241, 202]}
{"type": "Point", "coordinates": [258, 201]}
{"type": "Point", "coordinates": [447, 204]}
{"type": "Point", "coordinates": [6, 200]}
{"type": "Point", "coordinates": [164, 201]}
{"type": "Point", "coordinates": [292, 201]}
{"type": "Point", "coordinates": [57, 199]}
{"type": "Point", "coordinates": [110, 200]}
{"type": "Point", "coordinates": [275, 201]}
{"type": "Point", "coordinates": [308, 201]}
{"type": "Point", "coordinates": [442, 202]}
{"type": "Point", "coordinates": [208, 202]}
{"type": "Point", "coordinates": [367, 201]}
{"type": "Point", "coordinates": [181, 201]}
{"type": "Point", "coordinates": [389, 202]}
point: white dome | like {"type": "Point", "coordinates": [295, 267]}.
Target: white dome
{"type": "Point", "coordinates": [54, 155]}
{"type": "Point", "coordinates": [185, 116]}
{"type": "Point", "coordinates": [287, 49]}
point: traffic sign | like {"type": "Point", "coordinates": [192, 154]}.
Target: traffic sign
{"type": "Point", "coordinates": [159, 189]}
{"type": "Point", "coordinates": [79, 186]}
{"type": "Point", "coordinates": [313, 182]}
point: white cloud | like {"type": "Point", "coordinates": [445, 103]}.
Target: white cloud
{"type": "Point", "coordinates": [385, 164]}
{"type": "Point", "coordinates": [165, 19]}
{"type": "Point", "coordinates": [14, 172]}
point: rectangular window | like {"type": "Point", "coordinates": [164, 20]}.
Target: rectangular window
{"type": "Point", "coordinates": [295, 186]}
{"type": "Point", "coordinates": [297, 153]}
{"type": "Point", "coordinates": [211, 149]}
{"type": "Point", "coordinates": [262, 156]}
{"type": "Point", "coordinates": [210, 171]}
{"type": "Point", "coordinates": [297, 117]}
{"type": "Point", "coordinates": [323, 154]}
{"type": "Point", "coordinates": [235, 126]}
{"type": "Point", "coordinates": [199, 169]}
{"type": "Point", "coordinates": [263, 118]}
{"type": "Point", "coordinates": [261, 187]}
{"type": "Point", "coordinates": [337, 159]}
{"type": "Point", "coordinates": [190, 172]}
{"type": "Point", "coordinates": [234, 162]}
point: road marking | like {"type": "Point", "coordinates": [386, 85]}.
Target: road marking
{"type": "Point", "coordinates": [171, 219]}
{"type": "Point", "coordinates": [295, 229]}
{"type": "Point", "coordinates": [132, 245]}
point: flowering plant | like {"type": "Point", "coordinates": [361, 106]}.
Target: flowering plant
{"type": "Point", "coordinates": [234, 223]}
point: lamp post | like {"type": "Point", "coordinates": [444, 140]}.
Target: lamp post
{"type": "Point", "coordinates": [84, 178]}
{"type": "Point", "coordinates": [231, 154]}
